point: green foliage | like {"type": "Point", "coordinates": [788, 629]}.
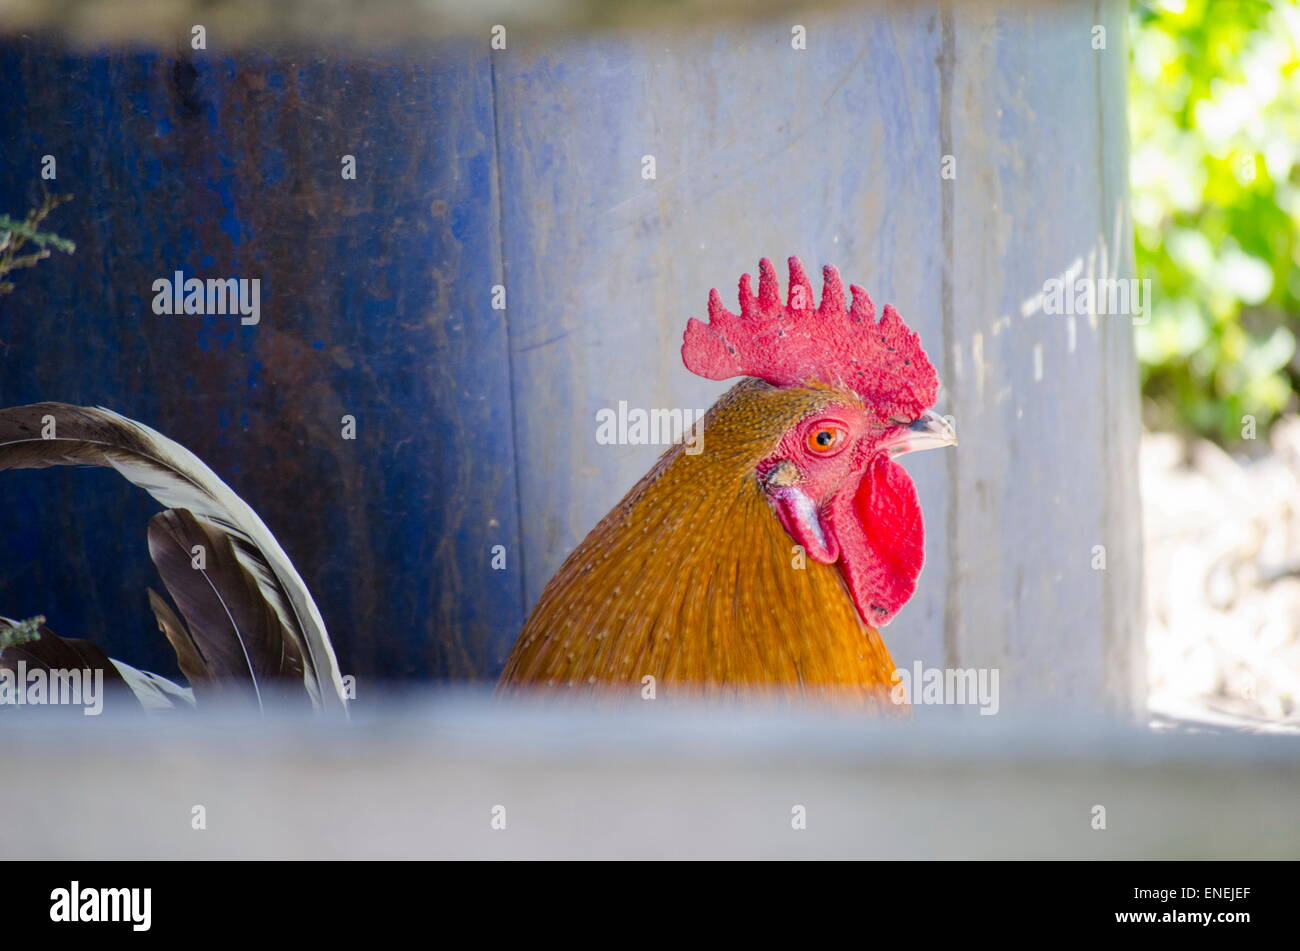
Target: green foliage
{"type": "Point", "coordinates": [1214, 111]}
{"type": "Point", "coordinates": [22, 632]}
{"type": "Point", "coordinates": [15, 235]}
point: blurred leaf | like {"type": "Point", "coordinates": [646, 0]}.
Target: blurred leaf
{"type": "Point", "coordinates": [1214, 94]}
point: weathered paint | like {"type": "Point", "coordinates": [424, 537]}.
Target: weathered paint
{"type": "Point", "coordinates": [478, 427]}
{"type": "Point", "coordinates": [375, 304]}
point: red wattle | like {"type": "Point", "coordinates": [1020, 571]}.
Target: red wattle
{"type": "Point", "coordinates": [881, 540]}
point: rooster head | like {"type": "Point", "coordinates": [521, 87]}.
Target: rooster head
{"type": "Point", "coordinates": [830, 476]}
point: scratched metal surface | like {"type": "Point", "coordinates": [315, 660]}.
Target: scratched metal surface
{"type": "Point", "coordinates": [375, 304]}
{"type": "Point", "coordinates": [478, 428]}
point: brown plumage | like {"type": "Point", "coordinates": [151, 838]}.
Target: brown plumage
{"type": "Point", "coordinates": [690, 579]}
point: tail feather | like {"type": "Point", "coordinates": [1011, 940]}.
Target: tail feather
{"type": "Point", "coordinates": [154, 691]}
{"type": "Point", "coordinates": [188, 655]}
{"type": "Point", "coordinates": [52, 434]}
{"type": "Point", "coordinates": [233, 635]}
{"type": "Point", "coordinates": [47, 651]}
{"type": "Point", "coordinates": [36, 647]}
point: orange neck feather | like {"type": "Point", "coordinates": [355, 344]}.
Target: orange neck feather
{"type": "Point", "coordinates": [691, 579]}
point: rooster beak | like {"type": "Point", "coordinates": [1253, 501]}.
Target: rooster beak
{"type": "Point", "coordinates": [930, 431]}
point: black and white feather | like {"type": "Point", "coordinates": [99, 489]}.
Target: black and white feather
{"type": "Point", "coordinates": [288, 638]}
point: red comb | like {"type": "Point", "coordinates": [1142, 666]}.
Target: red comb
{"type": "Point", "coordinates": [797, 343]}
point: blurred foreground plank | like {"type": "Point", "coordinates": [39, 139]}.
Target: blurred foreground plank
{"type": "Point", "coordinates": [422, 782]}
{"type": "Point", "coordinates": [364, 24]}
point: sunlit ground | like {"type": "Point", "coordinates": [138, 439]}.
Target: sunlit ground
{"type": "Point", "coordinates": [1222, 540]}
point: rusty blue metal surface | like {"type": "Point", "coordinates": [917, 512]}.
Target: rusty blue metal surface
{"type": "Point", "coordinates": [375, 304]}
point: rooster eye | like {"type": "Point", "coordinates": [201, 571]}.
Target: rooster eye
{"type": "Point", "coordinates": [825, 439]}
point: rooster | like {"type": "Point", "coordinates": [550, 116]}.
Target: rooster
{"type": "Point", "coordinates": [771, 559]}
